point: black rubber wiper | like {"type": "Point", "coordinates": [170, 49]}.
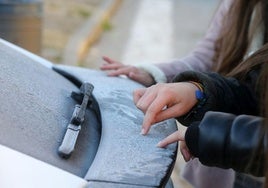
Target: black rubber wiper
{"type": "Point", "coordinates": [68, 143]}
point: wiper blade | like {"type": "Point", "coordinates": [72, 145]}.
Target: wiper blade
{"type": "Point", "coordinates": [68, 143]}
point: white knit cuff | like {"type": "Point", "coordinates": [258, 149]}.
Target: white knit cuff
{"type": "Point", "coordinates": [156, 73]}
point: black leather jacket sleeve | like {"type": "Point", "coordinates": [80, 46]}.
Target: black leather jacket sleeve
{"type": "Point", "coordinates": [224, 94]}
{"type": "Point", "coordinates": [228, 141]}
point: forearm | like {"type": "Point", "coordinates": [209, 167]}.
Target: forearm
{"type": "Point", "coordinates": [221, 94]}
{"type": "Point", "coordinates": [228, 141]}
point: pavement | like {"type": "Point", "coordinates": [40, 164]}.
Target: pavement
{"type": "Point", "coordinates": [148, 31]}
{"type": "Point", "coordinates": [142, 31]}
{"type": "Point", "coordinates": [89, 33]}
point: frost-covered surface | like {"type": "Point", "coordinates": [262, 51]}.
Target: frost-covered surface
{"type": "Point", "coordinates": [124, 156]}
{"type": "Point", "coordinates": [36, 107]}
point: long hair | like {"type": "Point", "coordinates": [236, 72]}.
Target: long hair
{"type": "Point", "coordinates": [258, 60]}
{"type": "Point", "coordinates": [234, 39]}
{"type": "Point", "coordinates": [232, 47]}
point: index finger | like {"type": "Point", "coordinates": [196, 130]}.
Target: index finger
{"type": "Point", "coordinates": [137, 94]}
{"type": "Point", "coordinates": [153, 110]}
{"type": "Point", "coordinates": [174, 137]}
{"type": "Point", "coordinates": [109, 60]}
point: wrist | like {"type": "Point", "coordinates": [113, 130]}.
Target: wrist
{"type": "Point", "coordinates": [156, 73]}
{"type": "Point", "coordinates": [192, 138]}
{"type": "Point", "coordinates": [199, 92]}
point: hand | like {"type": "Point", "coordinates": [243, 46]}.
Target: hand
{"type": "Point", "coordinates": [134, 73]}
{"type": "Point", "coordinates": [164, 101]}
{"type": "Point", "coordinates": [185, 151]}
{"type": "Point", "coordinates": [175, 137]}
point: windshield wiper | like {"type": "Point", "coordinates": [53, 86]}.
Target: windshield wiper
{"type": "Point", "coordinates": [68, 143]}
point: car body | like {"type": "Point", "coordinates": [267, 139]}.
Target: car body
{"type": "Point", "coordinates": [38, 99]}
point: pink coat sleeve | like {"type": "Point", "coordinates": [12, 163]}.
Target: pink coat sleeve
{"type": "Point", "coordinates": [200, 58]}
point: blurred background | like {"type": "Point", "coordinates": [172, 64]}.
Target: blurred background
{"type": "Point", "coordinates": [127, 30]}
{"type": "Point", "coordinates": [131, 31]}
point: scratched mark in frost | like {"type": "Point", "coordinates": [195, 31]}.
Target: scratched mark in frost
{"type": "Point", "coordinates": [121, 102]}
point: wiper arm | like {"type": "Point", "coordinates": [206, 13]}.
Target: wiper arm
{"type": "Point", "coordinates": [78, 117]}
